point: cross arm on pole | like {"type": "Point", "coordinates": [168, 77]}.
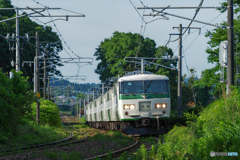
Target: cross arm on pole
{"type": "Point", "coordinates": [37, 11]}
{"type": "Point", "coordinates": [210, 7]}
{"type": "Point", "coordinates": [165, 13]}
{"type": "Point", "coordinates": [58, 16]}
{"type": "Point", "coordinates": [29, 8]}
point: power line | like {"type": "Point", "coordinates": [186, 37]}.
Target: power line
{"type": "Point", "coordinates": [197, 10]}
{"type": "Point", "coordinates": [58, 32]}
{"type": "Point", "coordinates": [62, 36]}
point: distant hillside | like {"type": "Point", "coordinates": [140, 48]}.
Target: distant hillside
{"type": "Point", "coordinates": [83, 87]}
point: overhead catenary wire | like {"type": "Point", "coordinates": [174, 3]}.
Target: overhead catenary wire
{"type": "Point", "coordinates": [61, 35]}
{"type": "Point", "coordinates": [197, 10]}
{"type": "Point", "coordinates": [197, 31]}
{"type": "Point", "coordinates": [26, 40]}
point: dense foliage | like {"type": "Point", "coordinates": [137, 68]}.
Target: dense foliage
{"type": "Point", "coordinates": [216, 128]}
{"type": "Point", "coordinates": [15, 101]}
{"type": "Point", "coordinates": [49, 113]}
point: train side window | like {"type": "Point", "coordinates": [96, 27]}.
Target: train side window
{"type": "Point", "coordinates": [167, 86]}
{"type": "Point", "coordinates": [120, 88]}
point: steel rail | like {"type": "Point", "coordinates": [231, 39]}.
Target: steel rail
{"type": "Point", "coordinates": [115, 152]}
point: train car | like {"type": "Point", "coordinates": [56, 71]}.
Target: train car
{"type": "Point", "coordinates": [137, 104]}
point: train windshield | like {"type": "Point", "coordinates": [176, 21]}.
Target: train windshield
{"type": "Point", "coordinates": [136, 87]}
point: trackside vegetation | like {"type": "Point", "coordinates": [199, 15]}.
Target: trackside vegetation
{"type": "Point", "coordinates": [49, 113]}
{"type": "Point", "coordinates": [17, 115]}
{"type": "Point", "coordinates": [216, 128]}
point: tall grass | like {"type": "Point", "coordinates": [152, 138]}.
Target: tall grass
{"type": "Point", "coordinates": [217, 128]}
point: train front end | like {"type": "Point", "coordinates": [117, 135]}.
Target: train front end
{"type": "Point", "coordinates": [144, 104]}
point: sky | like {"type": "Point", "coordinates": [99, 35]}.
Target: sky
{"type": "Point", "coordinates": [84, 34]}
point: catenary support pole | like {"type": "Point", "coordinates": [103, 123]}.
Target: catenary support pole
{"type": "Point", "coordinates": [84, 106]}
{"type": "Point", "coordinates": [34, 77]}
{"type": "Point", "coordinates": [37, 79]}
{"type": "Point", "coordinates": [179, 98]}
{"type": "Point", "coordinates": [44, 80]}
{"type": "Point", "coordinates": [102, 89]}
{"type": "Point", "coordinates": [230, 64]}
{"type": "Point", "coordinates": [80, 108]}
{"type": "Point", "coordinates": [48, 88]}
{"type": "Point", "coordinates": [142, 65]}
{"type": "Point", "coordinates": [17, 43]}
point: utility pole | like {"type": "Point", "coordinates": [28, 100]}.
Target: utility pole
{"type": "Point", "coordinates": [179, 95]}
{"type": "Point", "coordinates": [230, 64]}
{"type": "Point", "coordinates": [37, 79]}
{"type": "Point", "coordinates": [17, 43]}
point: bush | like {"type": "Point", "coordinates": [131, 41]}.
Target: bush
{"type": "Point", "coordinates": [15, 101]}
{"type": "Point", "coordinates": [49, 113]}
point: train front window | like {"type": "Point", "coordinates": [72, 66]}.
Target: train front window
{"type": "Point", "coordinates": [159, 86]}
{"type": "Point", "coordinates": [132, 87]}
{"type": "Point", "coordinates": [138, 87]}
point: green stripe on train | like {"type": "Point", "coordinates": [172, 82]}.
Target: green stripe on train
{"type": "Point", "coordinates": [101, 116]}
{"type": "Point", "coordinates": [136, 119]}
{"type": "Point", "coordinates": [109, 115]}
{"type": "Point", "coordinates": [139, 96]}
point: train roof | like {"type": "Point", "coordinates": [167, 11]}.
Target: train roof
{"type": "Point", "coordinates": [141, 77]}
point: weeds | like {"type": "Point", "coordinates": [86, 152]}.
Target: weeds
{"type": "Point", "coordinates": [54, 155]}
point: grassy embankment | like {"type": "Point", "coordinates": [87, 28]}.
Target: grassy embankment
{"type": "Point", "coordinates": [216, 128]}
{"type": "Point", "coordinates": [30, 133]}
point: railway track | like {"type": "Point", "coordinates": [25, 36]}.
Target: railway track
{"type": "Point", "coordinates": [70, 140]}
{"type": "Point", "coordinates": [115, 153]}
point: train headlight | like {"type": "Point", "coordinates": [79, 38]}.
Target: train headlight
{"type": "Point", "coordinates": [125, 106]}
{"type": "Point", "coordinates": [129, 106]}
{"type": "Point", "coordinates": [158, 105]}
{"type": "Point", "coordinates": [132, 106]}
{"type": "Point", "coordinates": [164, 105]}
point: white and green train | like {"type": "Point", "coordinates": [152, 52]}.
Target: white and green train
{"type": "Point", "coordinates": [137, 104]}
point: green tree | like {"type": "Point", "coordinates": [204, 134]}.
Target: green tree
{"type": "Point", "coordinates": [112, 52]}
